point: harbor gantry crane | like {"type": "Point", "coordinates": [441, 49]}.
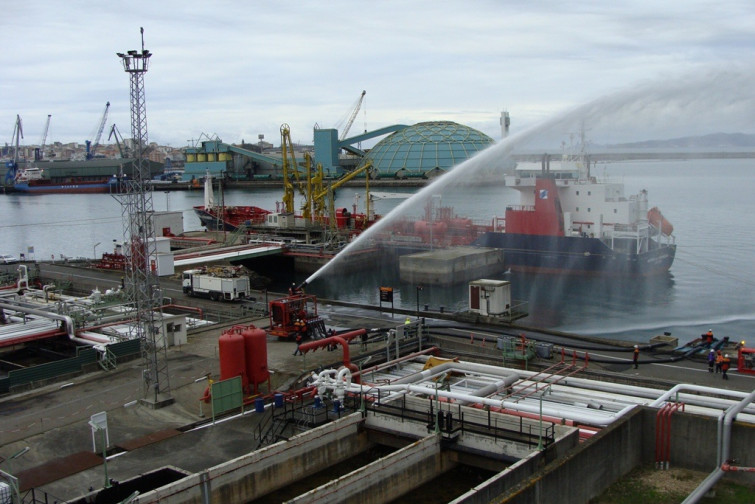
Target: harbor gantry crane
{"type": "Point", "coordinates": [354, 112]}
{"type": "Point", "coordinates": [143, 288]}
{"type": "Point", "coordinates": [12, 165]}
{"type": "Point", "coordinates": [39, 153]}
{"type": "Point", "coordinates": [92, 146]}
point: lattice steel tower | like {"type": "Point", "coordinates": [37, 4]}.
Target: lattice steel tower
{"type": "Point", "coordinates": [143, 285]}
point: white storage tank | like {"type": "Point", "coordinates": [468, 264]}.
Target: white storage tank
{"type": "Point", "coordinates": [490, 297]}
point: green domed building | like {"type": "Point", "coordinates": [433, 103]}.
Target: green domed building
{"type": "Point", "coordinates": [426, 149]}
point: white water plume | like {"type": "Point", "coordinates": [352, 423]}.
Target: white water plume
{"type": "Point", "coordinates": [682, 105]}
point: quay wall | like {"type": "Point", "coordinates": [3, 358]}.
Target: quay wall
{"type": "Point", "coordinates": [263, 471]}
{"type": "Point", "coordinates": [387, 478]}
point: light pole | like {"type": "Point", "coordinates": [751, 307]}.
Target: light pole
{"type": "Point", "coordinates": [167, 201]}
{"type": "Point", "coordinates": [540, 437]}
{"type": "Point", "coordinates": [361, 380]}
{"type": "Point", "coordinates": [419, 288]}
{"type": "Point", "coordinates": [94, 250]}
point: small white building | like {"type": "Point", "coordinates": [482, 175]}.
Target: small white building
{"type": "Point", "coordinates": [490, 297]}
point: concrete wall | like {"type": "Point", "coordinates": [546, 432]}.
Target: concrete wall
{"type": "Point", "coordinates": [248, 477]}
{"type": "Point", "coordinates": [694, 443]}
{"type": "Point", "coordinates": [385, 479]}
{"type": "Point", "coordinates": [586, 471]}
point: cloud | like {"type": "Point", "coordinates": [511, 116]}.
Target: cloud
{"type": "Point", "coordinates": [235, 68]}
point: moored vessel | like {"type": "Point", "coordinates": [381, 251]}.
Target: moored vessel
{"type": "Point", "coordinates": [568, 221]}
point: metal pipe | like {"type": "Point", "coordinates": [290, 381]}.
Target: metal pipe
{"type": "Point", "coordinates": [590, 419]}
{"type": "Point", "coordinates": [70, 329]}
{"type": "Point", "coordinates": [713, 477]}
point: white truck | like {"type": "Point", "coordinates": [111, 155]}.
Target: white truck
{"type": "Point", "coordinates": [223, 286]}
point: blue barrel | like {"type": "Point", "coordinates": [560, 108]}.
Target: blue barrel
{"type": "Point", "coordinates": [278, 398]}
{"type": "Point", "coordinates": [318, 402]}
{"type": "Point", "coordinates": [259, 405]}
{"type": "Point", "coordinates": [336, 406]}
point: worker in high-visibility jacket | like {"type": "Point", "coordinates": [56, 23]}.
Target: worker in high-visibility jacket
{"type": "Point", "coordinates": [725, 364]}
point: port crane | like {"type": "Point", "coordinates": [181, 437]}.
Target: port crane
{"type": "Point", "coordinates": [12, 165]}
{"type": "Point", "coordinates": [122, 148]}
{"type": "Point", "coordinates": [355, 111]}
{"type": "Point", "coordinates": [92, 146]}
{"type": "Point", "coordinates": [39, 153]}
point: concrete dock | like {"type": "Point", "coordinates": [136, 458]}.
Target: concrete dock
{"type": "Point", "coordinates": [198, 461]}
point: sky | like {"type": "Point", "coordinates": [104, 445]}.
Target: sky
{"type": "Point", "coordinates": [239, 69]}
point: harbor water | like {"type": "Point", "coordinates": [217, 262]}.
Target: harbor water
{"type": "Point", "coordinates": [710, 285]}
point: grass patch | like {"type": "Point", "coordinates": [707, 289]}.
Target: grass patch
{"type": "Point", "coordinates": [646, 484]}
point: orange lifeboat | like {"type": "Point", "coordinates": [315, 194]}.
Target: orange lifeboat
{"type": "Point", "coordinates": [659, 221]}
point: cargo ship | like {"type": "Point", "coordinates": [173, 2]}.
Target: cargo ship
{"type": "Point", "coordinates": [570, 222]}
{"type": "Point", "coordinates": [31, 180]}
{"type": "Point", "coordinates": [98, 175]}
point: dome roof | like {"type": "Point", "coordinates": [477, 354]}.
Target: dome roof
{"type": "Point", "coordinates": [426, 146]}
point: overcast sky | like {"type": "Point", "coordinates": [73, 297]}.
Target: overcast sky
{"type": "Point", "coordinates": [238, 69]}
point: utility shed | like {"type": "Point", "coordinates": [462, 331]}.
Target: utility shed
{"type": "Point", "coordinates": [490, 297]}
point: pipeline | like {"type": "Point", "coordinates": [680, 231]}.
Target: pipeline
{"type": "Point", "coordinates": [724, 446]}
{"type": "Point", "coordinates": [341, 339]}
{"type": "Point", "coordinates": [187, 308]}
{"type": "Point", "coordinates": [596, 420]}
{"type": "Point", "coordinates": [70, 329]}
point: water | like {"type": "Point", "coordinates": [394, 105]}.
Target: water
{"type": "Point", "coordinates": [710, 285]}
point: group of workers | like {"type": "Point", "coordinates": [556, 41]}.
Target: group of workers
{"type": "Point", "coordinates": [716, 359]}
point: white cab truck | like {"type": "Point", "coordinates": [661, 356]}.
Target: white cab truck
{"type": "Point", "coordinates": [216, 286]}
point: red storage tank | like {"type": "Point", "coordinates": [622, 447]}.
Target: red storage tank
{"type": "Point", "coordinates": [233, 357]}
{"type": "Point", "coordinates": [255, 343]}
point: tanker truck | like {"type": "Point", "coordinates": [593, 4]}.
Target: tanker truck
{"type": "Point", "coordinates": [224, 284]}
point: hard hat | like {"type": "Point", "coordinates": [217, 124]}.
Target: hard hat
{"type": "Point", "coordinates": [710, 330]}
{"type": "Point", "coordinates": [711, 350]}
{"type": "Point", "coordinates": [637, 346]}
{"type": "Point", "coordinates": [727, 356]}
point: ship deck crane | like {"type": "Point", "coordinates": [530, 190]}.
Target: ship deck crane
{"type": "Point", "coordinates": [39, 153]}
{"type": "Point", "coordinates": [92, 146]}
{"type": "Point", "coordinates": [355, 111]}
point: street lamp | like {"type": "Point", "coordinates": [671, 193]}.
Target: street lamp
{"type": "Point", "coordinates": [94, 250]}
{"type": "Point", "coordinates": [419, 288]}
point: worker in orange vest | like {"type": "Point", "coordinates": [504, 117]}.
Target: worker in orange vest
{"type": "Point", "coordinates": [719, 361]}
{"type": "Point", "coordinates": [636, 356]}
{"type": "Point", "coordinates": [725, 363]}
{"type": "Point", "coordinates": [709, 336]}
{"type": "Point", "coordinates": [299, 329]}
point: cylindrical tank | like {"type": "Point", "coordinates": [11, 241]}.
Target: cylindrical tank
{"type": "Point", "coordinates": [255, 344]}
{"type": "Point", "coordinates": [191, 158]}
{"type": "Point", "coordinates": [211, 156]}
{"type": "Point", "coordinates": [232, 357]}
{"type": "Point", "coordinates": [224, 156]}
{"type": "Point", "coordinates": [201, 157]}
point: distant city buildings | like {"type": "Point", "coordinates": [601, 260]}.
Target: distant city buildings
{"type": "Point", "coordinates": [58, 151]}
